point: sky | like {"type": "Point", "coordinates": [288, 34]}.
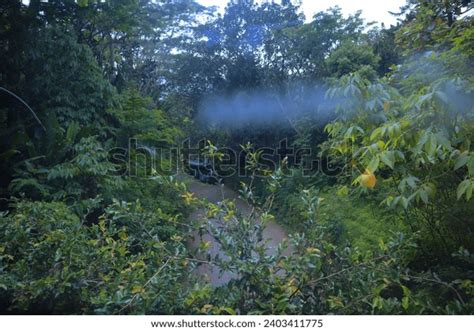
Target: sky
{"type": "Point", "coordinates": [372, 10]}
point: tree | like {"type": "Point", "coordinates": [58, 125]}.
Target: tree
{"type": "Point", "coordinates": [351, 57]}
{"type": "Point", "coordinates": [384, 46]}
{"type": "Point", "coordinates": [428, 23]}
{"type": "Point", "coordinates": [299, 52]}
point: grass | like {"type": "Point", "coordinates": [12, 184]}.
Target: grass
{"type": "Point", "coordinates": [357, 219]}
{"type": "Point", "coordinates": [364, 222]}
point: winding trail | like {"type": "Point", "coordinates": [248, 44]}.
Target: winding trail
{"type": "Point", "coordinates": [273, 233]}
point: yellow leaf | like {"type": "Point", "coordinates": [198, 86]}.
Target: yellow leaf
{"type": "Point", "coordinates": [205, 245]}
{"type": "Point", "coordinates": [176, 238]}
{"type": "Point", "coordinates": [188, 197]}
{"type": "Point", "coordinates": [229, 215]}
{"type": "Point", "coordinates": [137, 289]}
{"type": "Point", "coordinates": [312, 250]}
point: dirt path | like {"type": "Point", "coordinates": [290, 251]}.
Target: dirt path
{"type": "Point", "coordinates": [273, 234]}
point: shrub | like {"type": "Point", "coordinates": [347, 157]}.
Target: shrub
{"type": "Point", "coordinates": [52, 263]}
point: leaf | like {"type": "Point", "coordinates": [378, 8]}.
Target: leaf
{"type": "Point", "coordinates": [123, 235]}
{"type": "Point", "coordinates": [373, 164]}
{"type": "Point", "coordinates": [377, 302]}
{"type": "Point", "coordinates": [423, 195]}
{"type": "Point", "coordinates": [82, 3]}
{"type": "Point", "coordinates": [335, 302]}
{"type": "Point", "coordinates": [406, 297]}
{"type": "Point", "coordinates": [431, 145]}
{"type": "Point", "coordinates": [72, 132]}
{"type": "Point", "coordinates": [136, 289]}
{"type": "Point", "coordinates": [463, 187]}
{"type": "Point", "coordinates": [425, 97]}
{"type": "Point", "coordinates": [405, 303]}
{"type": "Point", "coordinates": [470, 166]}
{"type": "Point", "coordinates": [406, 291]}
{"type": "Point", "coordinates": [229, 310]}
{"type": "Point", "coordinates": [411, 181]}
{"type": "Point", "coordinates": [343, 191]}
{"type": "Point", "coordinates": [405, 202]}
{"type": "Point", "coordinates": [381, 145]}
{"type": "Point", "coordinates": [388, 158]}
{"type": "Point", "coordinates": [395, 202]}
{"type": "Point", "coordinates": [462, 160]}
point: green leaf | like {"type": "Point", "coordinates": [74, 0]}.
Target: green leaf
{"type": "Point", "coordinates": [470, 166]}
{"type": "Point", "coordinates": [411, 181]}
{"type": "Point", "coordinates": [405, 202]}
{"type": "Point", "coordinates": [82, 3]}
{"type": "Point", "coordinates": [343, 191]}
{"type": "Point", "coordinates": [431, 145]}
{"type": "Point", "coordinates": [229, 310]}
{"type": "Point", "coordinates": [406, 291]}
{"type": "Point", "coordinates": [72, 132]}
{"type": "Point", "coordinates": [469, 192]}
{"type": "Point", "coordinates": [377, 303]}
{"type": "Point", "coordinates": [425, 97]}
{"type": "Point", "coordinates": [376, 134]}
{"type": "Point", "coordinates": [462, 160]}
{"type": "Point", "coordinates": [406, 297]}
{"type": "Point", "coordinates": [374, 164]}
{"type": "Point", "coordinates": [395, 201]}
{"type": "Point", "coordinates": [388, 158]}
{"type": "Point", "coordinates": [463, 188]}
{"type": "Point", "coordinates": [405, 303]}
{"type": "Point", "coordinates": [423, 196]}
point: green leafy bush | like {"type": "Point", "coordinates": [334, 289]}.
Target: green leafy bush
{"type": "Point", "coordinates": [51, 262]}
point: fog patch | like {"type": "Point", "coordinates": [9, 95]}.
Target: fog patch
{"type": "Point", "coordinates": [267, 107]}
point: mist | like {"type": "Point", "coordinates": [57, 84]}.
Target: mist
{"type": "Point", "coordinates": [267, 107]}
{"type": "Point", "coordinates": [307, 104]}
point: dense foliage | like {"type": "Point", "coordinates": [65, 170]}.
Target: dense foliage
{"type": "Point", "coordinates": [91, 221]}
